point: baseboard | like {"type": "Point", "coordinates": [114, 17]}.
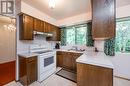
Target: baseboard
{"type": "Point", "coordinates": [122, 78]}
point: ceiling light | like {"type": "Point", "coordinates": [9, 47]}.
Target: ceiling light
{"type": "Point", "coordinates": [52, 4]}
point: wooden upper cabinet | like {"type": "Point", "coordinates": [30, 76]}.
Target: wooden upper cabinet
{"type": "Point", "coordinates": [26, 26]}
{"type": "Point", "coordinates": [42, 26]}
{"type": "Point", "coordinates": [46, 27]}
{"type": "Point", "coordinates": [103, 19]}
{"type": "Point", "coordinates": [37, 25]}
{"type": "Point", "coordinates": [56, 33]}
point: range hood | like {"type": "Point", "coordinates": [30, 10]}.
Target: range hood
{"type": "Point", "coordinates": [37, 33]}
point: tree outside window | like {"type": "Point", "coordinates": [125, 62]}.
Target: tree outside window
{"type": "Point", "coordinates": [76, 35]}
{"type": "Point", "coordinates": [123, 36]}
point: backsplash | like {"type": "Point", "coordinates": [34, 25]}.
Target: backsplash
{"type": "Point", "coordinates": [23, 45]}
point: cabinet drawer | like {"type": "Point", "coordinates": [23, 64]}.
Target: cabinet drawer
{"type": "Point", "coordinates": [31, 59]}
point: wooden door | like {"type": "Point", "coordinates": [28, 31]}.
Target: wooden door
{"type": "Point", "coordinates": [67, 61]}
{"type": "Point", "coordinates": [32, 71]}
{"type": "Point", "coordinates": [75, 56]}
{"type": "Point", "coordinates": [47, 27]}
{"type": "Point", "coordinates": [58, 33]}
{"type": "Point", "coordinates": [90, 75]}
{"type": "Point", "coordinates": [42, 26]}
{"type": "Point", "coordinates": [103, 19]}
{"type": "Point", "coordinates": [59, 59]}
{"type": "Point", "coordinates": [26, 24]}
{"type": "Point", "coordinates": [37, 25]}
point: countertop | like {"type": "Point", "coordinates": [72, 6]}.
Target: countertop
{"type": "Point", "coordinates": [73, 51]}
{"type": "Point", "coordinates": [27, 55]}
{"type": "Point", "coordinates": [95, 58]}
{"type": "Point", "coordinates": [92, 58]}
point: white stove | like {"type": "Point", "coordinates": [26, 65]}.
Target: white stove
{"type": "Point", "coordinates": [46, 61]}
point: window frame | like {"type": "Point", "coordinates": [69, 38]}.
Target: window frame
{"type": "Point", "coordinates": [76, 27]}
{"type": "Point", "coordinates": [121, 20]}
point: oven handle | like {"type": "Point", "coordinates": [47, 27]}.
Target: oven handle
{"type": "Point", "coordinates": [46, 56]}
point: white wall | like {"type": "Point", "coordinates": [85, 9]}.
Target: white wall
{"type": "Point", "coordinates": [123, 11]}
{"type": "Point", "coordinates": [25, 8]}
{"type": "Point", "coordinates": [75, 19]}
{"type": "Point", "coordinates": [7, 44]}
{"type": "Point", "coordinates": [122, 60]}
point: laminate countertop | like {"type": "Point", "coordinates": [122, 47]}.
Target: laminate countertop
{"type": "Point", "coordinates": [96, 58]}
{"type": "Point", "coordinates": [73, 51]}
{"type": "Point", "coordinates": [27, 55]}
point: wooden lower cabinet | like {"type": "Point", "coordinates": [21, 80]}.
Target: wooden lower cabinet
{"type": "Point", "coordinates": [27, 70]}
{"type": "Point", "coordinates": [59, 59]}
{"type": "Point", "coordinates": [67, 60]}
{"type": "Point", "coordinates": [90, 75]}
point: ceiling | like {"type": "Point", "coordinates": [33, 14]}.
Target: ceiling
{"type": "Point", "coordinates": [67, 8]}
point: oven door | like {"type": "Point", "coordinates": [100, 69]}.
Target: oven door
{"type": "Point", "coordinates": [47, 62]}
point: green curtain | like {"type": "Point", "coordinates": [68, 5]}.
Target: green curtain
{"type": "Point", "coordinates": [63, 36]}
{"type": "Point", "coordinates": [90, 41]}
{"type": "Point", "coordinates": [109, 47]}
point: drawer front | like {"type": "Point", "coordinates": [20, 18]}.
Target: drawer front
{"type": "Point", "coordinates": [31, 59]}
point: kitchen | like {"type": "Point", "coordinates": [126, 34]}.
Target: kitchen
{"type": "Point", "coordinates": [41, 32]}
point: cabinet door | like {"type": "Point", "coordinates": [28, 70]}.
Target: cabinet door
{"type": "Point", "coordinates": [59, 60]}
{"type": "Point", "coordinates": [32, 71]}
{"type": "Point", "coordinates": [26, 24]}
{"type": "Point", "coordinates": [75, 56]}
{"type": "Point", "coordinates": [22, 70]}
{"type": "Point", "coordinates": [90, 75]}
{"type": "Point", "coordinates": [37, 25]}
{"type": "Point", "coordinates": [52, 31]}
{"type": "Point", "coordinates": [68, 61]}
{"type": "Point", "coordinates": [103, 21]}
{"type": "Point", "coordinates": [42, 26]}
{"type": "Point", "coordinates": [47, 27]}
{"type": "Point", "coordinates": [56, 34]}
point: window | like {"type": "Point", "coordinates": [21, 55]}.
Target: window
{"type": "Point", "coordinates": [76, 34]}
{"type": "Point", "coordinates": [123, 35]}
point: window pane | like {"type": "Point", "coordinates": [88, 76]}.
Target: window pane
{"type": "Point", "coordinates": [81, 35]}
{"type": "Point", "coordinates": [123, 36]}
{"type": "Point", "coordinates": [70, 36]}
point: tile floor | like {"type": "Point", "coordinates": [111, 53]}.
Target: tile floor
{"type": "Point", "coordinates": [55, 80]}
